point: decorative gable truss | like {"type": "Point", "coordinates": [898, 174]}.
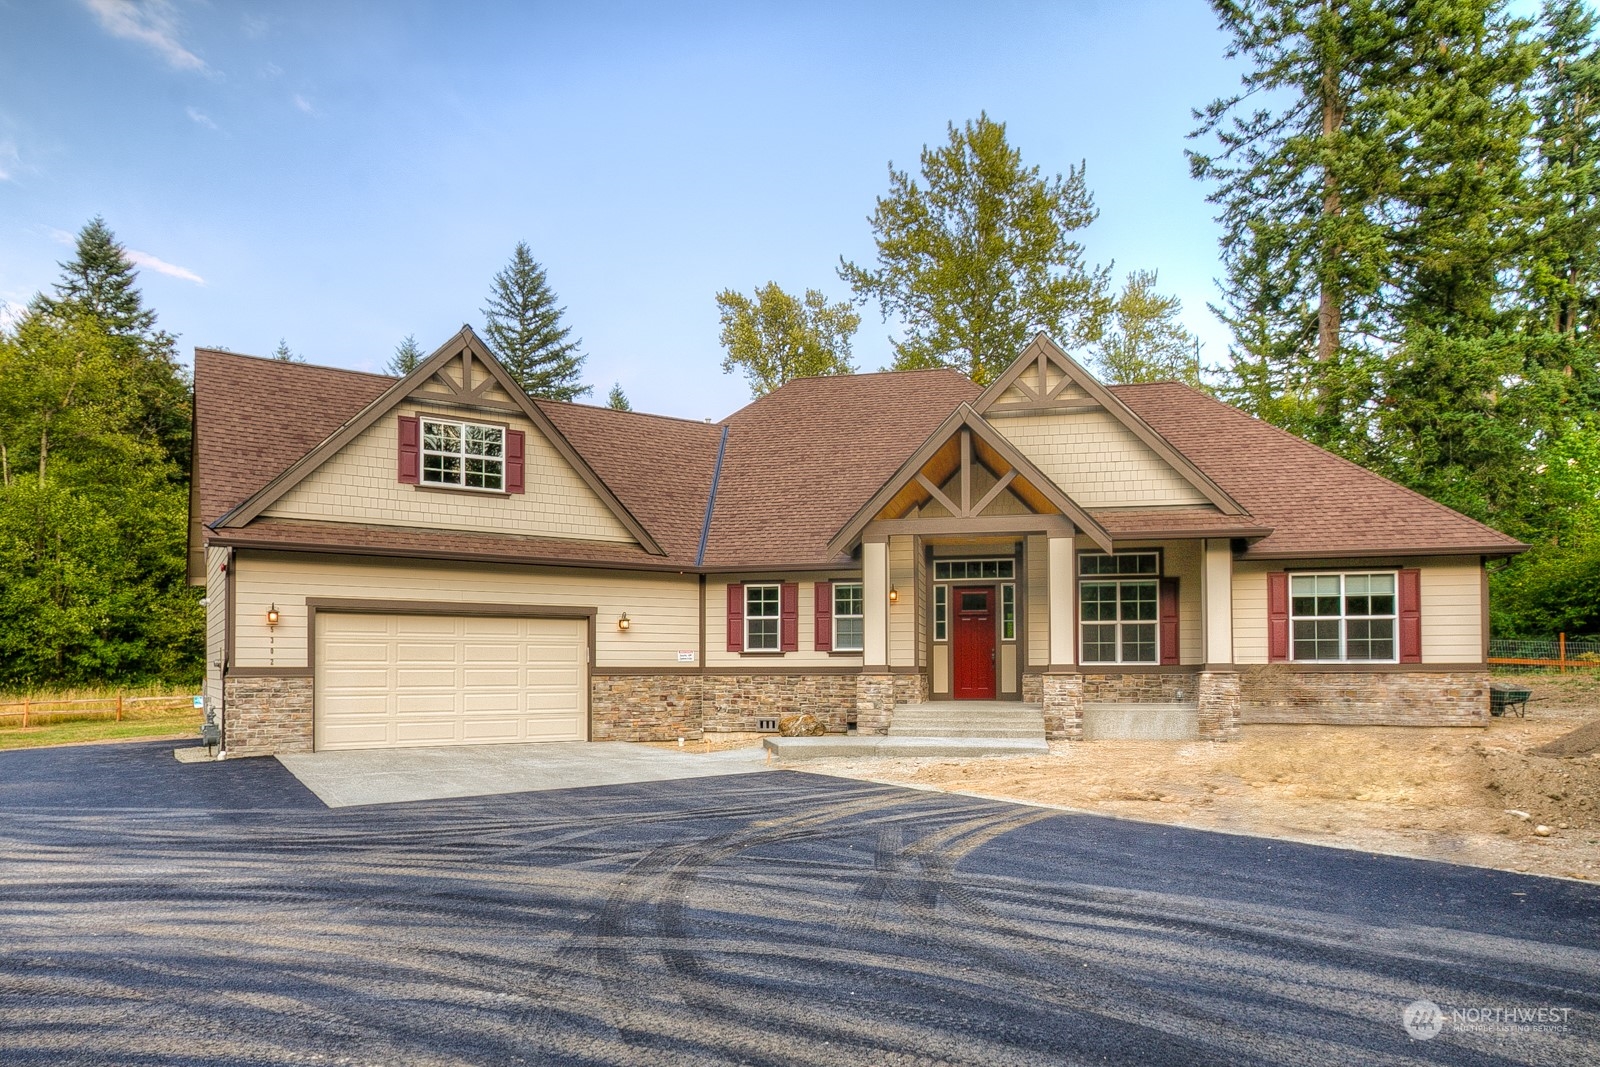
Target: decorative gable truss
{"type": "Point", "coordinates": [463, 381]}
{"type": "Point", "coordinates": [956, 483]}
{"type": "Point", "coordinates": [1044, 381]}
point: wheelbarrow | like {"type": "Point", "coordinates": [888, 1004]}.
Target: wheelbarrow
{"type": "Point", "coordinates": [1503, 697]}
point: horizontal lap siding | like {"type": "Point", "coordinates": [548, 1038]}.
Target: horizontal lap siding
{"type": "Point", "coordinates": [662, 609]}
{"type": "Point", "coordinates": [1097, 461]}
{"type": "Point", "coordinates": [717, 654]}
{"type": "Point", "coordinates": [903, 612]}
{"type": "Point", "coordinates": [216, 622]}
{"type": "Point", "coordinates": [1038, 601]}
{"type": "Point", "coordinates": [1452, 606]}
{"type": "Point", "coordinates": [360, 484]}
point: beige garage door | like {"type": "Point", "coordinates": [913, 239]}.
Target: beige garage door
{"type": "Point", "coordinates": [387, 681]}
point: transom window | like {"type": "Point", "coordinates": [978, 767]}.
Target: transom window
{"type": "Point", "coordinates": [1343, 616]}
{"type": "Point", "coordinates": [467, 455]}
{"type": "Point", "coordinates": [966, 570]}
{"type": "Point", "coordinates": [848, 624]}
{"type": "Point", "coordinates": [761, 618]}
{"type": "Point", "coordinates": [1119, 616]}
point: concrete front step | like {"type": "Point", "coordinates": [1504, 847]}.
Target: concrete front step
{"type": "Point", "coordinates": [789, 749]}
{"type": "Point", "coordinates": [968, 720]}
{"type": "Point", "coordinates": [968, 730]}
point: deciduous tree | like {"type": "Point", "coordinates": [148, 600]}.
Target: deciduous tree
{"type": "Point", "coordinates": [775, 338]}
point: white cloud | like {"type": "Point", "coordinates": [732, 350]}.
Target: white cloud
{"type": "Point", "coordinates": [272, 70]}
{"type": "Point", "coordinates": [150, 22]}
{"type": "Point", "coordinates": [304, 105]}
{"type": "Point", "coordinates": [62, 237]}
{"type": "Point", "coordinates": [11, 312]}
{"type": "Point", "coordinates": [200, 118]}
{"type": "Point", "coordinates": [161, 266]}
{"type": "Point", "coordinates": [8, 160]}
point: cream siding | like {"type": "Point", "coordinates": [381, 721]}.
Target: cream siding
{"type": "Point", "coordinates": [1097, 461]}
{"type": "Point", "coordinates": [717, 654]}
{"type": "Point", "coordinates": [360, 484]}
{"type": "Point", "coordinates": [1451, 607]}
{"type": "Point", "coordinates": [903, 612]}
{"type": "Point", "coordinates": [216, 623]}
{"type": "Point", "coordinates": [662, 609]}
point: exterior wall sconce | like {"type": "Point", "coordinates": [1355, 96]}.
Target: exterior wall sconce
{"type": "Point", "coordinates": [272, 615]}
{"type": "Point", "coordinates": [894, 595]}
{"type": "Point", "coordinates": [624, 623]}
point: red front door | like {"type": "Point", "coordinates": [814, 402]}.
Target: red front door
{"type": "Point", "coordinates": [974, 643]}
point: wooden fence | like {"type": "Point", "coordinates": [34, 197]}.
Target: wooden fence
{"type": "Point", "coordinates": [30, 710]}
{"type": "Point", "coordinates": [1576, 655]}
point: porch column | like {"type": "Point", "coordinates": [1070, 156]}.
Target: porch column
{"type": "Point", "coordinates": [1216, 594]}
{"type": "Point", "coordinates": [1063, 685]}
{"type": "Point", "coordinates": [875, 605]}
{"type": "Point", "coordinates": [1219, 694]}
{"type": "Point", "coordinates": [1063, 588]}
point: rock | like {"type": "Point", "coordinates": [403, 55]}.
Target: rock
{"type": "Point", "coordinates": [1542, 831]}
{"type": "Point", "coordinates": [800, 726]}
{"type": "Point", "coordinates": [1524, 816]}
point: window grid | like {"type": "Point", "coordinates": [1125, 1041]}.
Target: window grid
{"type": "Point", "coordinates": [941, 614]}
{"type": "Point", "coordinates": [1343, 617]}
{"type": "Point", "coordinates": [1008, 613]}
{"type": "Point", "coordinates": [466, 455]}
{"type": "Point", "coordinates": [849, 624]}
{"type": "Point", "coordinates": [1119, 621]}
{"type": "Point", "coordinates": [967, 570]}
{"type": "Point", "coordinates": [762, 615]}
{"type": "Point", "coordinates": [1122, 563]}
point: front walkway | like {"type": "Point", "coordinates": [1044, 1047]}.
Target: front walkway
{"type": "Point", "coordinates": [397, 775]}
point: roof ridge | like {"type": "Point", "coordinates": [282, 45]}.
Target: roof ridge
{"type": "Point", "coordinates": [1352, 464]}
{"type": "Point", "coordinates": [543, 401]}
{"type": "Point", "coordinates": [292, 363]}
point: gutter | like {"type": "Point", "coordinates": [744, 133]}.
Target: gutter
{"type": "Point", "coordinates": [711, 500]}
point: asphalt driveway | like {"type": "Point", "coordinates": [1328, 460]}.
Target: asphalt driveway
{"type": "Point", "coordinates": [154, 912]}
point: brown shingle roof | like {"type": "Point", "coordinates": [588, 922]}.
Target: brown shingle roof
{"type": "Point", "coordinates": [254, 417]}
{"type": "Point", "coordinates": [802, 459]}
{"type": "Point", "coordinates": [1177, 522]}
{"type": "Point", "coordinates": [1316, 503]}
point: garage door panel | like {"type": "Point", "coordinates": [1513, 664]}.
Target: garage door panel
{"type": "Point", "coordinates": [419, 680]}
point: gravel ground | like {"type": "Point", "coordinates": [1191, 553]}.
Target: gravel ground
{"type": "Point", "coordinates": [152, 912]}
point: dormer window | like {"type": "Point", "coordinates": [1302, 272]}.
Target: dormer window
{"type": "Point", "coordinates": [463, 455]}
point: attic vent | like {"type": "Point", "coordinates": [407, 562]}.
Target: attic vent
{"type": "Point", "coordinates": [766, 724]}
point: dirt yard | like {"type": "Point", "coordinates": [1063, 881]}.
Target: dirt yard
{"type": "Point", "coordinates": [1463, 795]}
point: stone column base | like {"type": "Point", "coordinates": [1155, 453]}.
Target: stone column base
{"type": "Point", "coordinates": [1063, 707]}
{"type": "Point", "coordinates": [1218, 693]}
{"type": "Point", "coordinates": [874, 703]}
{"type": "Point", "coordinates": [266, 716]}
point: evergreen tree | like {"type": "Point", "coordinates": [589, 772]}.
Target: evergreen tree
{"type": "Point", "coordinates": [406, 357]}
{"type": "Point", "coordinates": [523, 326]}
{"type": "Point", "coordinates": [617, 400]}
{"type": "Point", "coordinates": [777, 338]}
{"type": "Point", "coordinates": [100, 283]}
{"type": "Point", "coordinates": [284, 354]}
{"type": "Point", "coordinates": [1146, 341]}
{"type": "Point", "coordinates": [981, 255]}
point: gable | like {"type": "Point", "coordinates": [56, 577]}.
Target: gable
{"type": "Point", "coordinates": [359, 483]}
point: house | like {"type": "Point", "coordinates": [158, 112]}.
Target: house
{"type": "Point", "coordinates": [439, 560]}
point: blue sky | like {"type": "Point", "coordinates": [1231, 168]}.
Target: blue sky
{"type": "Point", "coordinates": [340, 175]}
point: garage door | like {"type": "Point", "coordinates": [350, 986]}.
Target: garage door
{"type": "Point", "coordinates": [388, 681]}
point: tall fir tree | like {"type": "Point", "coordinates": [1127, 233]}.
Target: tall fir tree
{"type": "Point", "coordinates": [406, 357]}
{"type": "Point", "coordinates": [776, 337]}
{"type": "Point", "coordinates": [284, 354]}
{"type": "Point", "coordinates": [101, 283]}
{"type": "Point", "coordinates": [523, 325]}
{"type": "Point", "coordinates": [980, 254]}
{"type": "Point", "coordinates": [617, 400]}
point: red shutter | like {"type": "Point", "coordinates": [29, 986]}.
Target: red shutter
{"type": "Point", "coordinates": [824, 612]}
{"type": "Point", "coordinates": [1277, 617]}
{"type": "Point", "coordinates": [789, 604]}
{"type": "Point", "coordinates": [1169, 621]}
{"type": "Point", "coordinates": [410, 450]}
{"type": "Point", "coordinates": [735, 617]}
{"type": "Point", "coordinates": [514, 449]}
{"type": "Point", "coordinates": [1411, 616]}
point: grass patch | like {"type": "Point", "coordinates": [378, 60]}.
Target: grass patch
{"type": "Point", "coordinates": [65, 718]}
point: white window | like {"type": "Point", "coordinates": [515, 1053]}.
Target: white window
{"type": "Point", "coordinates": [848, 624]}
{"type": "Point", "coordinates": [1342, 617]}
{"type": "Point", "coordinates": [1008, 613]}
{"type": "Point", "coordinates": [762, 616]}
{"type": "Point", "coordinates": [467, 455]}
{"type": "Point", "coordinates": [1119, 616]}
{"type": "Point", "coordinates": [941, 612]}
{"type": "Point", "coordinates": [971, 570]}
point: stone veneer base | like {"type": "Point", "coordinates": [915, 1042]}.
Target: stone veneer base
{"type": "Point", "coordinates": [1276, 694]}
{"type": "Point", "coordinates": [266, 716]}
